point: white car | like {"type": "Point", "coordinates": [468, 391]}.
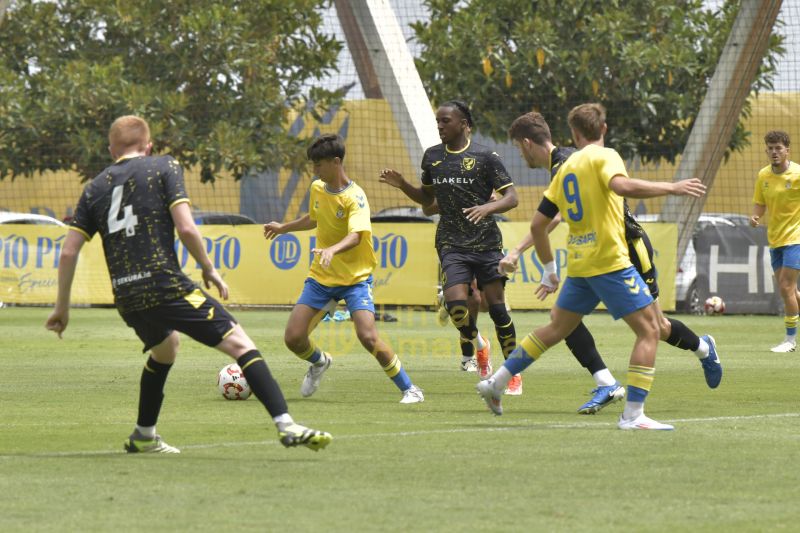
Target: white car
{"type": "Point", "coordinates": [7, 217]}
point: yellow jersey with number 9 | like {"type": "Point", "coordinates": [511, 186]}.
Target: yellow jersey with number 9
{"type": "Point", "coordinates": [595, 214]}
{"type": "Point", "coordinates": [337, 214]}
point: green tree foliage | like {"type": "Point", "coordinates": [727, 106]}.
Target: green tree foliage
{"type": "Point", "coordinates": [648, 61]}
{"type": "Point", "coordinates": [216, 79]}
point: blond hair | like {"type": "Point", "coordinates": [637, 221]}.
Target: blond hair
{"type": "Point", "coordinates": [128, 132]}
{"type": "Point", "coordinates": [588, 120]}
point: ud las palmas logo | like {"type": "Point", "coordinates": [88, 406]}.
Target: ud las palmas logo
{"type": "Point", "coordinates": [468, 163]}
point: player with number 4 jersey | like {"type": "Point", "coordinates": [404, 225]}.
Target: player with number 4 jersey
{"type": "Point", "coordinates": [137, 205]}
{"type": "Point", "coordinates": [138, 245]}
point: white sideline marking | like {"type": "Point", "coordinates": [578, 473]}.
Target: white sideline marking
{"type": "Point", "coordinates": [576, 425]}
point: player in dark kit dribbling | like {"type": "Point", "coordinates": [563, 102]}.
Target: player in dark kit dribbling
{"type": "Point", "coordinates": [136, 205]}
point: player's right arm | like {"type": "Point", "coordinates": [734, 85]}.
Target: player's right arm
{"type": "Point", "coordinates": [193, 241]}
{"type": "Point", "coordinates": [421, 195]}
{"type": "Point", "coordinates": [431, 208]}
{"type": "Point", "coordinates": [273, 229]}
{"type": "Point", "coordinates": [67, 262]}
{"type": "Point", "coordinates": [758, 212]}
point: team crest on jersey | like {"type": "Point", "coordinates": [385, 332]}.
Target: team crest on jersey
{"type": "Point", "coordinates": [468, 163]}
{"type": "Point", "coordinates": [340, 213]}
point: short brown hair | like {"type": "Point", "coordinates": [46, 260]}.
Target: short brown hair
{"type": "Point", "coordinates": [588, 120]}
{"type": "Point", "coordinates": [531, 126]}
{"type": "Point", "coordinates": [777, 137]}
{"type": "Point", "coordinates": [129, 131]}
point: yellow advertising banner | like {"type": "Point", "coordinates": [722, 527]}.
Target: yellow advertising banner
{"type": "Point", "coordinates": [29, 259]}
{"type": "Point", "coordinates": [261, 272]}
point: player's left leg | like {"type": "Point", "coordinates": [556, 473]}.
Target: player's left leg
{"type": "Point", "coordinates": [504, 328]}
{"type": "Point", "coordinates": [476, 303]}
{"type": "Point", "coordinates": [238, 345]}
{"type": "Point", "coordinates": [785, 262]}
{"type": "Point", "coordinates": [492, 283]}
{"type": "Point", "coordinates": [626, 296]}
{"type": "Point", "coordinates": [787, 284]}
{"type": "Point", "coordinates": [641, 371]}
{"type": "Point", "coordinates": [367, 333]}
{"type": "Point", "coordinates": [678, 334]}
{"type": "Point", "coordinates": [362, 311]}
{"type": "Point", "coordinates": [204, 319]}
{"type": "Point", "coordinates": [674, 331]}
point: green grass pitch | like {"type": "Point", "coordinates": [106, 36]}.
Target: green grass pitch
{"type": "Point", "coordinates": [445, 465]}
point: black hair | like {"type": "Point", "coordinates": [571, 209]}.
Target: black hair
{"type": "Point", "coordinates": [463, 108]}
{"type": "Point", "coordinates": [326, 146]}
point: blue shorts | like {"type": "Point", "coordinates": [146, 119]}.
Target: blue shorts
{"type": "Point", "coordinates": [622, 291]}
{"type": "Point", "coordinates": [785, 256]}
{"type": "Point", "coordinates": [358, 297]}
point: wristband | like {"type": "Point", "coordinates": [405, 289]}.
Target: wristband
{"type": "Point", "coordinates": [549, 268]}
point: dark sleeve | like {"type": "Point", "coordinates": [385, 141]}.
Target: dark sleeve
{"type": "Point", "coordinates": [547, 208]}
{"type": "Point", "coordinates": [426, 169]}
{"type": "Point", "coordinates": [174, 188]}
{"type": "Point", "coordinates": [497, 171]}
{"type": "Point", "coordinates": [82, 219]}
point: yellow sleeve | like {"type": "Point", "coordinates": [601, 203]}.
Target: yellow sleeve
{"type": "Point", "coordinates": [610, 166]}
{"type": "Point", "coordinates": [758, 193]}
{"type": "Point", "coordinates": [358, 218]}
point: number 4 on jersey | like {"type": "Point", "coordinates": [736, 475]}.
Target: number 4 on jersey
{"type": "Point", "coordinates": [128, 220]}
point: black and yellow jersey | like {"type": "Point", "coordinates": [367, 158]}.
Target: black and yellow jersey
{"type": "Point", "coordinates": [462, 179]}
{"type": "Point", "coordinates": [129, 205]}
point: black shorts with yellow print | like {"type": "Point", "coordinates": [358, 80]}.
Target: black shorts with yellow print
{"type": "Point", "coordinates": [196, 314]}
{"type": "Point", "coordinates": [641, 252]}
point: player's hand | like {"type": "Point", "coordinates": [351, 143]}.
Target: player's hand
{"type": "Point", "coordinates": [273, 229]}
{"type": "Point", "coordinates": [391, 177]}
{"type": "Point", "coordinates": [57, 321]}
{"type": "Point", "coordinates": [477, 213]}
{"type": "Point", "coordinates": [212, 277]}
{"type": "Point", "coordinates": [508, 264]}
{"type": "Point", "coordinates": [754, 221]}
{"type": "Point", "coordinates": [547, 287]}
{"type": "Point", "coordinates": [325, 256]}
{"type": "Point", "coordinates": [691, 187]}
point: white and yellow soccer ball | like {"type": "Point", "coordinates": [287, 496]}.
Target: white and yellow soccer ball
{"type": "Point", "coordinates": [232, 383]}
{"type": "Point", "coordinates": [714, 305]}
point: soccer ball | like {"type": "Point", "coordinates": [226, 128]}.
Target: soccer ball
{"type": "Point", "coordinates": [232, 384]}
{"type": "Point", "coordinates": [714, 306]}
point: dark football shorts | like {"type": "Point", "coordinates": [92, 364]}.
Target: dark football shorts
{"type": "Point", "coordinates": [641, 252]}
{"type": "Point", "coordinates": [197, 314]}
{"type": "Point", "coordinates": [459, 266]}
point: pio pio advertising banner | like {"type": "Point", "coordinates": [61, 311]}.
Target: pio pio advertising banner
{"type": "Point", "coordinates": [261, 272]}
